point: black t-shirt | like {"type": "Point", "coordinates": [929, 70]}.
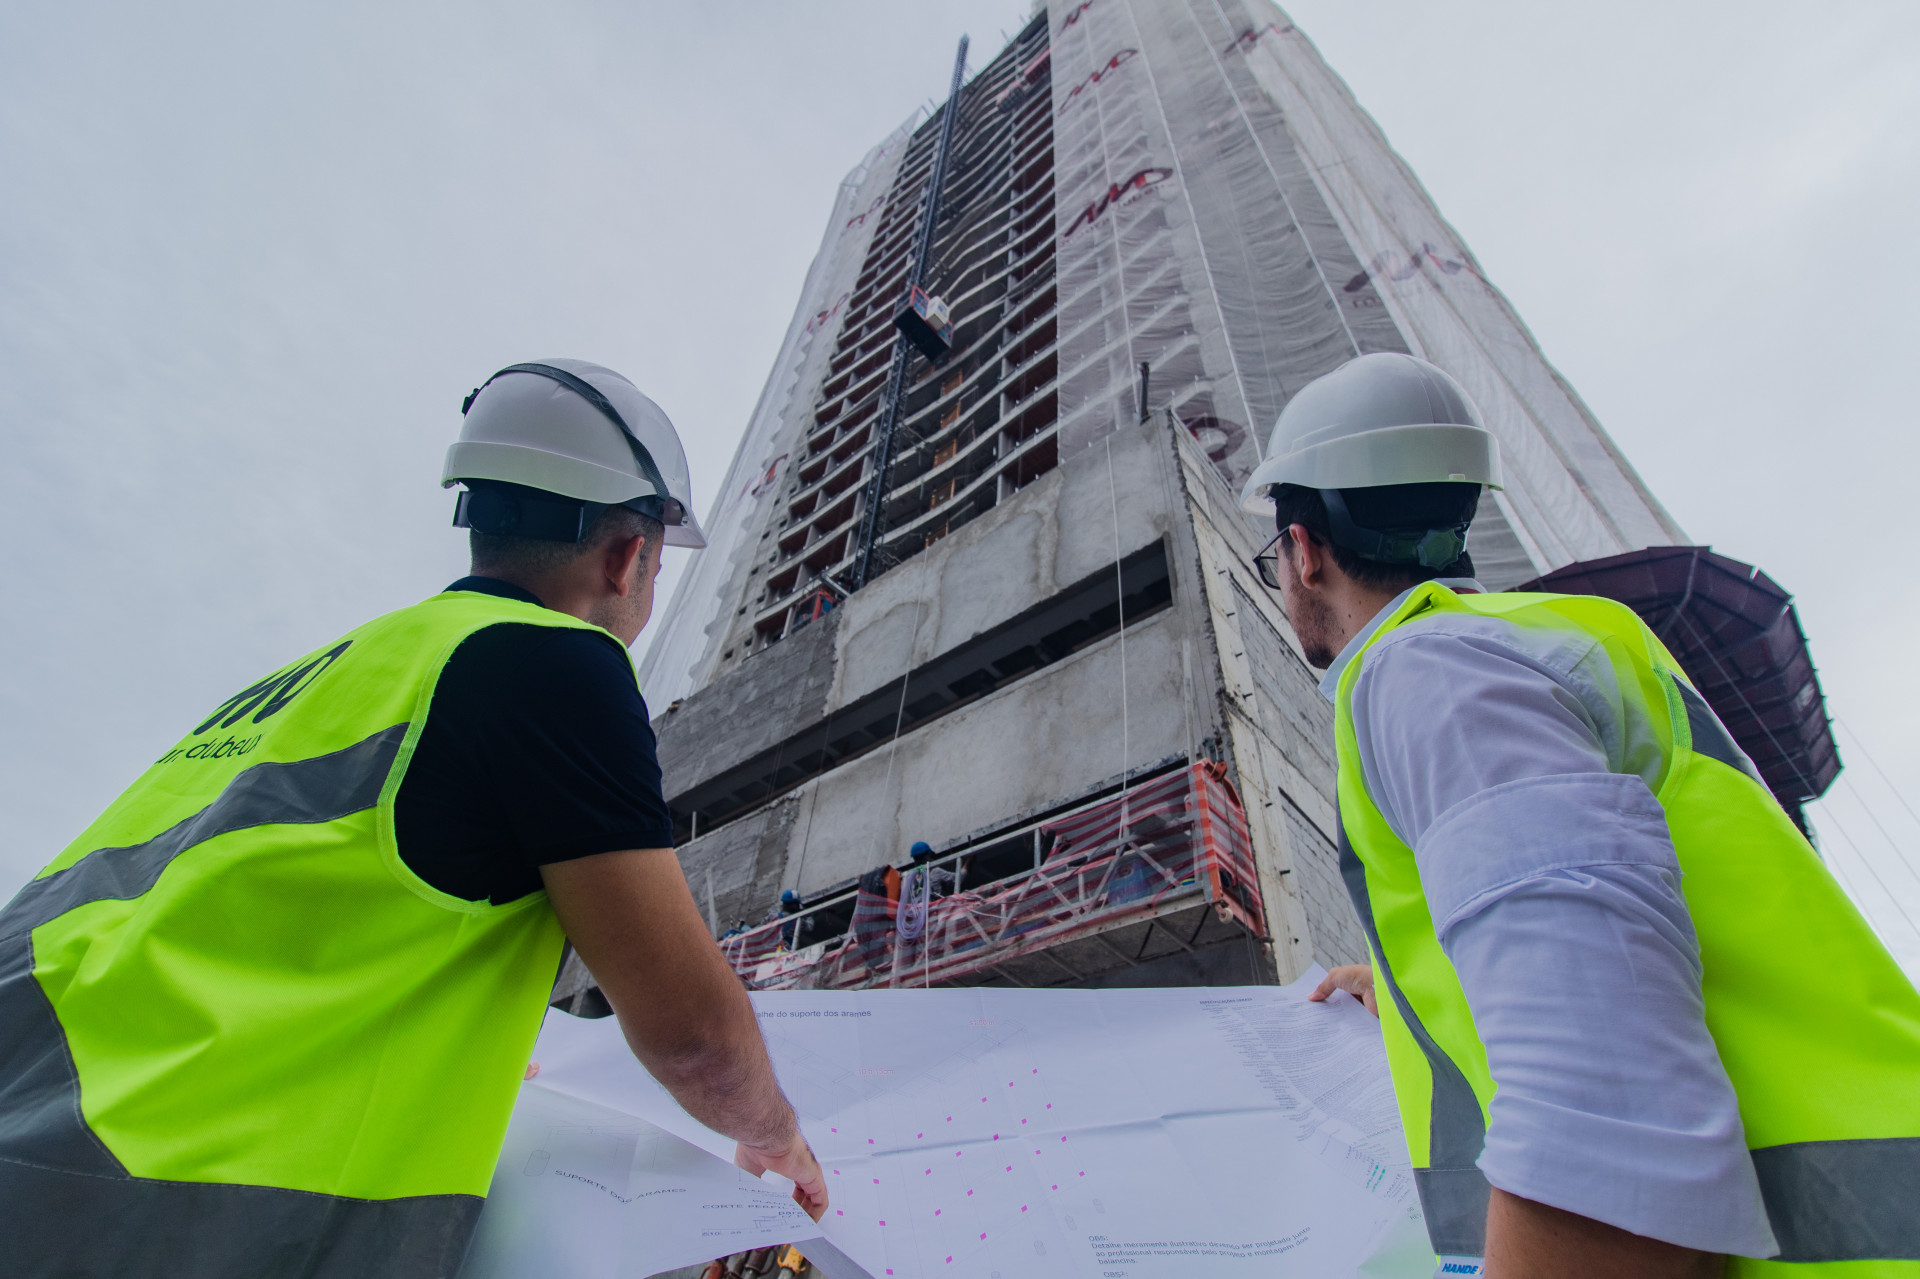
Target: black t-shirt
{"type": "Point", "coordinates": [536, 750]}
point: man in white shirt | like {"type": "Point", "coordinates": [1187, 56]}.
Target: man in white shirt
{"type": "Point", "coordinates": [1614, 1143]}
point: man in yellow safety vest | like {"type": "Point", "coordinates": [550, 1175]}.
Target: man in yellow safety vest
{"type": "Point", "coordinates": [267, 1016]}
{"type": "Point", "coordinates": [1635, 1027]}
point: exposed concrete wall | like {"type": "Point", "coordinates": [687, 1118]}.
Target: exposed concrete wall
{"type": "Point", "coordinates": [1045, 538]}
{"type": "Point", "coordinates": [1048, 536]}
{"type": "Point", "coordinates": [753, 708]}
{"type": "Point", "coordinates": [1337, 936]}
{"type": "Point", "coordinates": [1238, 963]}
{"type": "Point", "coordinates": [1295, 724]}
{"type": "Point", "coordinates": [1043, 740]}
{"type": "Point", "coordinates": [739, 866]}
{"type": "Point", "coordinates": [1278, 731]}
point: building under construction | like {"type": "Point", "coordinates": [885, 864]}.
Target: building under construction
{"type": "Point", "coordinates": [979, 576]}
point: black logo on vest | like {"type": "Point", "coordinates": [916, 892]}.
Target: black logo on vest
{"type": "Point", "coordinates": [262, 701]}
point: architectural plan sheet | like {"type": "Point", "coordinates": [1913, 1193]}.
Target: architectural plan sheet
{"type": "Point", "coordinates": [584, 1190]}
{"type": "Point", "coordinates": [1180, 1133]}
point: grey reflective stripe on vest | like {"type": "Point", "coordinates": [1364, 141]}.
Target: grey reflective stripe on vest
{"type": "Point", "coordinates": [1710, 736]}
{"type": "Point", "coordinates": [1855, 1200]}
{"type": "Point", "coordinates": [1843, 1200]}
{"type": "Point", "coordinates": [65, 1223]}
{"type": "Point", "coordinates": [69, 1198]}
{"type": "Point", "coordinates": [1453, 1191]}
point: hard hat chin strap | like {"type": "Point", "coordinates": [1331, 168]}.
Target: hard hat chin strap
{"type": "Point", "coordinates": [1429, 548]}
{"type": "Point", "coordinates": [670, 510]}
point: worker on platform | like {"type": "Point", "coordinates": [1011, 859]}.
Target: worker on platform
{"type": "Point", "coordinates": [1635, 1027]}
{"type": "Point", "coordinates": [923, 879]}
{"type": "Point", "coordinates": [267, 1016]}
{"type": "Point", "coordinates": [795, 933]}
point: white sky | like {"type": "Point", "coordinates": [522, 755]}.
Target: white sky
{"type": "Point", "coordinates": [250, 260]}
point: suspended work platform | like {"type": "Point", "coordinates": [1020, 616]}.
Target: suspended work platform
{"type": "Point", "coordinates": [1163, 869]}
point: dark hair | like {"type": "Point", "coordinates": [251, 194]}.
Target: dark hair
{"type": "Point", "coordinates": [536, 557]}
{"type": "Point", "coordinates": [1384, 507]}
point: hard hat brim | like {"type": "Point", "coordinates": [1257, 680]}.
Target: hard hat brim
{"type": "Point", "coordinates": [556, 473]}
{"type": "Point", "coordinates": [1425, 453]}
{"type": "Point", "coordinates": [686, 533]}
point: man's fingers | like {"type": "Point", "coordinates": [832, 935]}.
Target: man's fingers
{"type": "Point", "coordinates": [798, 1165]}
{"type": "Point", "coordinates": [1355, 979]}
{"type": "Point", "coordinates": [1352, 978]}
{"type": "Point", "coordinates": [811, 1195]}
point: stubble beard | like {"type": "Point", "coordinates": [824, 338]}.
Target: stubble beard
{"type": "Point", "coordinates": [1314, 625]}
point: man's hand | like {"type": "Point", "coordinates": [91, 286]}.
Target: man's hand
{"type": "Point", "coordinates": [685, 1014]}
{"type": "Point", "coordinates": [796, 1163]}
{"type": "Point", "coordinates": [1355, 979]}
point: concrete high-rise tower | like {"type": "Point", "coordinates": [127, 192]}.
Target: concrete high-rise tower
{"type": "Point", "coordinates": [1001, 601]}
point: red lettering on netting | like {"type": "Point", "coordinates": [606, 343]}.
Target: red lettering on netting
{"type": "Point", "coordinates": [1118, 193]}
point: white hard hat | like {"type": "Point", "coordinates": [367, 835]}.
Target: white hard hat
{"type": "Point", "coordinates": [576, 430]}
{"type": "Point", "coordinates": [1384, 418]}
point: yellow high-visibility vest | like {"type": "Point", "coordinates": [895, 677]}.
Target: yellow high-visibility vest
{"type": "Point", "coordinates": [238, 1036]}
{"type": "Point", "coordinates": [1816, 1024]}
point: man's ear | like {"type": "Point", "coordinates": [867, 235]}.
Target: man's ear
{"type": "Point", "coordinates": [1308, 556]}
{"type": "Point", "coordinates": [619, 560]}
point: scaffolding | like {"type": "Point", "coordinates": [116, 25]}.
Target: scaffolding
{"type": "Point", "coordinates": [1159, 869]}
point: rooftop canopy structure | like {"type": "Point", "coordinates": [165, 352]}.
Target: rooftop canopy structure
{"type": "Point", "coordinates": [1734, 630]}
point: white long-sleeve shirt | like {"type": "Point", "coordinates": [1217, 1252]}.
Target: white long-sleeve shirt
{"type": "Point", "coordinates": [1507, 760]}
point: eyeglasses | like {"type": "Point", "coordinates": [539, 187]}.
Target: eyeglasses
{"type": "Point", "coordinates": [1267, 563]}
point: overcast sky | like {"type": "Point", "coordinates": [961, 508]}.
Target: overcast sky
{"type": "Point", "coordinates": [251, 259]}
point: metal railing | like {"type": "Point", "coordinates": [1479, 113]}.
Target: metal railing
{"type": "Point", "coordinates": [1163, 846]}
